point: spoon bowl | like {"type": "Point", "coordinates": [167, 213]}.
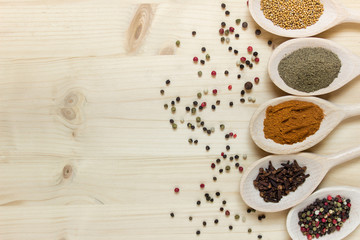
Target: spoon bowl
{"type": "Point", "coordinates": [317, 167]}
{"type": "Point", "coordinates": [349, 226]}
{"type": "Point", "coordinates": [333, 115]}
{"type": "Point", "coordinates": [333, 14]}
{"type": "Point", "coordinates": [350, 64]}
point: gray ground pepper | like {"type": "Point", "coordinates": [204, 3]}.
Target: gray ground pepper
{"type": "Point", "coordinates": [309, 69]}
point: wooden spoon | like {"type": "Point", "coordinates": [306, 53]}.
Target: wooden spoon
{"type": "Point", "coordinates": [350, 225]}
{"type": "Point", "coordinates": [350, 64]}
{"type": "Point", "coordinates": [317, 167]}
{"type": "Point", "coordinates": [334, 114]}
{"type": "Point", "coordinates": [333, 14]}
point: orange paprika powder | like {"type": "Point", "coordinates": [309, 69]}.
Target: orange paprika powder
{"type": "Point", "coordinates": [292, 121]}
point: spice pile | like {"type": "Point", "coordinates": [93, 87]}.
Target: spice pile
{"type": "Point", "coordinates": [309, 69]}
{"type": "Point", "coordinates": [292, 121]}
{"type": "Point", "coordinates": [191, 114]}
{"type": "Point", "coordinates": [292, 14]}
{"type": "Point", "coordinates": [324, 216]}
{"type": "Point", "coordinates": [274, 183]}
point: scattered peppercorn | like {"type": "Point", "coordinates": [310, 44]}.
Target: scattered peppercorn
{"type": "Point", "coordinates": [216, 221]}
{"type": "Point", "coordinates": [202, 62]}
{"type": "Point", "coordinates": [197, 232]}
{"type": "Point", "coordinates": [231, 104]}
{"type": "Point", "coordinates": [231, 227]}
{"type": "Point", "coordinates": [199, 73]}
{"type": "Point", "coordinates": [248, 85]}
{"type": "Point", "coordinates": [224, 202]}
{"type": "Point", "coordinates": [172, 215]}
{"type": "Point", "coordinates": [249, 230]}
{"type": "Point", "coordinates": [238, 76]}
{"type": "Point", "coordinates": [269, 42]}
{"type": "Point", "coordinates": [223, 5]}
{"type": "Point", "coordinates": [226, 72]}
{"type": "Point", "coordinates": [198, 203]}
{"type": "Point", "coordinates": [214, 179]}
{"type": "Point", "coordinates": [207, 148]}
{"type": "Point", "coordinates": [190, 218]}
{"type": "Point", "coordinates": [177, 43]}
{"type": "Point", "coordinates": [227, 13]}
{"type": "Point", "coordinates": [257, 31]}
{"type": "Point", "coordinates": [223, 24]}
{"type": "Point", "coordinates": [227, 147]}
{"type": "Point", "coordinates": [204, 223]}
{"type": "Point", "coordinates": [193, 33]}
{"type": "Point", "coordinates": [245, 25]}
{"type": "Point", "coordinates": [238, 21]}
{"type": "Point", "coordinates": [237, 35]}
{"type": "Point", "coordinates": [167, 82]}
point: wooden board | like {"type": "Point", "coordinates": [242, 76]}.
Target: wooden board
{"type": "Point", "coordinates": [79, 90]}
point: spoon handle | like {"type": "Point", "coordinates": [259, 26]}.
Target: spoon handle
{"type": "Point", "coordinates": [352, 16]}
{"type": "Point", "coordinates": [342, 157]}
{"type": "Point", "coordinates": [351, 110]}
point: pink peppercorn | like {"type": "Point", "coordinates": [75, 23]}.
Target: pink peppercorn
{"type": "Point", "coordinates": [243, 59]}
{"type": "Point", "coordinates": [349, 204]}
{"type": "Point", "coordinates": [334, 221]}
{"type": "Point", "coordinates": [214, 91]}
{"type": "Point", "coordinates": [202, 185]}
{"type": "Point", "coordinates": [221, 31]}
{"type": "Point", "coordinates": [231, 29]}
{"type": "Point", "coordinates": [229, 87]}
{"type": "Point", "coordinates": [176, 190]}
{"type": "Point", "coordinates": [222, 154]}
{"type": "Point", "coordinates": [231, 134]}
{"type": "Point", "coordinates": [257, 60]}
{"type": "Point", "coordinates": [203, 104]}
{"type": "Point", "coordinates": [195, 59]}
{"type": "Point", "coordinates": [227, 212]}
{"type": "Point", "coordinates": [256, 80]}
{"type": "Point", "coordinates": [234, 136]}
{"type": "Point", "coordinates": [309, 237]}
{"type": "Point", "coordinates": [323, 220]}
{"type": "Point", "coordinates": [326, 204]}
{"type": "Point", "coordinates": [338, 228]}
{"type": "Point", "coordinates": [213, 73]}
{"type": "Point", "coordinates": [213, 165]}
{"type": "Point", "coordinates": [250, 49]}
{"type": "Point", "coordinates": [329, 198]}
{"type": "Point", "coordinates": [317, 235]}
{"type": "Point", "coordinates": [241, 169]}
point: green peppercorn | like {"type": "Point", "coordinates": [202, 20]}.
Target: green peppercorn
{"type": "Point", "coordinates": [193, 110]}
{"type": "Point", "coordinates": [173, 109]}
{"type": "Point", "coordinates": [177, 43]}
{"type": "Point", "coordinates": [207, 57]}
{"type": "Point", "coordinates": [238, 21]}
{"type": "Point", "coordinates": [199, 95]}
{"type": "Point", "coordinates": [190, 140]}
{"type": "Point", "coordinates": [249, 230]}
{"type": "Point", "coordinates": [174, 126]}
{"type": "Point", "coordinates": [198, 119]}
{"type": "Point", "coordinates": [222, 39]}
{"type": "Point", "coordinates": [199, 73]}
{"type": "Point", "coordinates": [222, 127]}
{"type": "Point", "coordinates": [166, 106]}
{"type": "Point", "coordinates": [237, 217]}
{"type": "Point", "coordinates": [227, 168]}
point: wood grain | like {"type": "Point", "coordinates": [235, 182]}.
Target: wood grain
{"type": "Point", "coordinates": [86, 150]}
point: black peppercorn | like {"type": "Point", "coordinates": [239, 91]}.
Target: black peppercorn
{"type": "Point", "coordinates": [251, 65]}
{"type": "Point", "coordinates": [255, 53]}
{"type": "Point", "coordinates": [217, 193]}
{"type": "Point", "coordinates": [242, 66]}
{"type": "Point", "coordinates": [223, 24]}
{"type": "Point", "coordinates": [257, 31]}
{"type": "Point", "coordinates": [202, 62]}
{"type": "Point", "coordinates": [197, 232]}
{"type": "Point", "coordinates": [221, 170]}
{"type": "Point", "coordinates": [162, 92]}
{"type": "Point", "coordinates": [223, 5]}
{"type": "Point", "coordinates": [203, 49]}
{"type": "Point", "coordinates": [195, 103]}
{"type": "Point", "coordinates": [173, 102]}
{"type": "Point", "coordinates": [242, 92]}
{"type": "Point", "coordinates": [231, 104]}
{"type": "Point", "coordinates": [236, 51]}
{"type": "Point", "coordinates": [196, 141]}
{"type": "Point", "coordinates": [214, 179]}
{"type": "Point", "coordinates": [248, 210]}
{"type": "Point", "coordinates": [242, 100]}
{"type": "Point", "coordinates": [172, 214]}
{"type": "Point", "coordinates": [227, 135]}
{"type": "Point", "coordinates": [198, 203]}
{"type": "Point", "coordinates": [187, 109]}
{"type": "Point", "coordinates": [238, 76]}
{"type": "Point", "coordinates": [224, 202]}
{"type": "Point", "coordinates": [226, 72]}
{"type": "Point", "coordinates": [213, 107]}
{"type": "Point", "coordinates": [248, 85]}
{"type": "Point", "coordinates": [193, 33]}
{"type": "Point", "coordinates": [227, 147]}
{"type": "Point", "coordinates": [247, 62]}
{"type": "Point", "coordinates": [202, 123]}
{"type": "Point", "coordinates": [224, 156]}
{"type": "Point", "coordinates": [216, 221]}
{"type": "Point", "coordinates": [230, 227]}
{"type": "Point", "coordinates": [171, 121]}
{"type": "Point", "coordinates": [208, 131]}
{"type": "Point", "coordinates": [230, 48]}
{"type": "Point", "coordinates": [221, 209]}
{"type": "Point", "coordinates": [259, 237]}
{"type": "Point", "coordinates": [237, 165]}
{"type": "Point", "coordinates": [190, 218]}
{"type": "Point", "coordinates": [231, 158]}
{"type": "Point", "coordinates": [217, 102]}
{"type": "Point", "coordinates": [227, 13]}
{"type": "Point", "coordinates": [237, 35]}
{"type": "Point", "coordinates": [178, 99]}
{"type": "Point", "coordinates": [167, 82]}
{"type": "Point", "coordinates": [204, 223]}
{"type": "Point", "coordinates": [236, 156]}
{"type": "Point", "coordinates": [244, 24]}
{"type": "Point", "coordinates": [269, 42]}
{"type": "Point", "coordinates": [207, 148]}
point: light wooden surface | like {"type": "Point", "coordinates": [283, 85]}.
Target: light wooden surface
{"type": "Point", "coordinates": [79, 89]}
